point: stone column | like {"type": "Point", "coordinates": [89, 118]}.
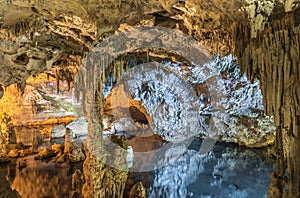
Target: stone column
{"type": "Point", "coordinates": [273, 58]}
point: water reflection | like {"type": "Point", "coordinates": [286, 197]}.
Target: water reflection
{"type": "Point", "coordinates": [227, 171]}
{"type": "Point", "coordinates": [38, 179]}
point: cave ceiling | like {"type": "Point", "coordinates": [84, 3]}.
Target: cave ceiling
{"type": "Point", "coordinates": [35, 34]}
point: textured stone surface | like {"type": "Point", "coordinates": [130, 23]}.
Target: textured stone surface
{"type": "Point", "coordinates": [6, 132]}
{"type": "Point", "coordinates": [58, 131]}
{"type": "Point", "coordinates": [33, 41]}
{"type": "Point", "coordinates": [35, 34]}
{"type": "Point", "coordinates": [138, 191]}
{"type": "Point", "coordinates": [273, 57]}
{"type": "Point", "coordinates": [101, 180]}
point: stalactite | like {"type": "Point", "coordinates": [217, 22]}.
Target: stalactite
{"type": "Point", "coordinates": [103, 70]}
{"type": "Point", "coordinates": [127, 66]}
{"type": "Point", "coordinates": [273, 57]}
{"type": "Point", "coordinates": [114, 72]}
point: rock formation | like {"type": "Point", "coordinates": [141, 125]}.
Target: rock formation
{"type": "Point", "coordinates": [263, 35]}
{"type": "Point", "coordinates": [273, 57]}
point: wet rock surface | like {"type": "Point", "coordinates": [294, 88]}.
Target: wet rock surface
{"type": "Point", "coordinates": [74, 151]}
{"type": "Point", "coordinates": [13, 154]}
{"type": "Point", "coordinates": [100, 178]}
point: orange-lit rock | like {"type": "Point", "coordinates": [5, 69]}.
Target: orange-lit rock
{"type": "Point", "coordinates": [13, 153]}
{"type": "Point", "coordinates": [146, 143]}
{"type": "Point", "coordinates": [138, 191]}
{"type": "Point", "coordinates": [6, 133]}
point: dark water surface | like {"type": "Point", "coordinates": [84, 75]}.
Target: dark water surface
{"type": "Point", "coordinates": [227, 171]}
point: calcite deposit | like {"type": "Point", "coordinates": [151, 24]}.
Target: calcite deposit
{"type": "Point", "coordinates": [39, 36]}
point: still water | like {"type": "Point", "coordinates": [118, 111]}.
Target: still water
{"type": "Point", "coordinates": [226, 171]}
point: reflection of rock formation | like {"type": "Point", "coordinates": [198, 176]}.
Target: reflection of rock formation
{"type": "Point", "coordinates": [225, 171]}
{"type": "Point", "coordinates": [77, 183]}
{"type": "Point", "coordinates": [173, 179]}
{"type": "Point", "coordinates": [6, 190]}
{"type": "Point", "coordinates": [33, 181]}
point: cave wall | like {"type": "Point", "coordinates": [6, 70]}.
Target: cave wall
{"type": "Point", "coordinates": [35, 33]}
{"type": "Point", "coordinates": [273, 57]}
{"type": "Point", "coordinates": [264, 35]}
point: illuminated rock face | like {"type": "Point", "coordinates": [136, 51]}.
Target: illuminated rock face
{"type": "Point", "coordinates": [35, 34]}
{"type": "Point", "coordinates": [7, 135]}
{"type": "Point", "coordinates": [273, 57]}
{"type": "Point", "coordinates": [34, 40]}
